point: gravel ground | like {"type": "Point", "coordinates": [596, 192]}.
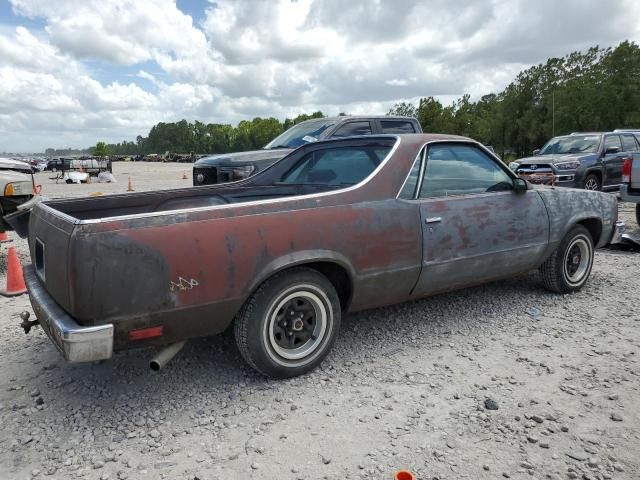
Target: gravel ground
{"type": "Point", "coordinates": [500, 381]}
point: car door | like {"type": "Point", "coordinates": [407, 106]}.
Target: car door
{"type": "Point", "coordinates": [612, 160]}
{"type": "Point", "coordinates": [476, 227]}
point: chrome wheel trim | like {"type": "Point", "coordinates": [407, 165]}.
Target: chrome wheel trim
{"type": "Point", "coordinates": [578, 257]}
{"type": "Point", "coordinates": [322, 329]}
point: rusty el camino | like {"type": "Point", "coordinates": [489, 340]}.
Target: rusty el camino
{"type": "Point", "coordinates": [334, 227]}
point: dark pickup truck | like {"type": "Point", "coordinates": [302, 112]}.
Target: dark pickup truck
{"type": "Point", "coordinates": [336, 226]}
{"type": "Point", "coordinates": [592, 161]}
{"type": "Point", "coordinates": [229, 167]}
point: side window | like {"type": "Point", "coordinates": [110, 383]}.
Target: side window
{"type": "Point", "coordinates": [612, 141]}
{"type": "Point", "coordinates": [629, 143]}
{"type": "Point", "coordinates": [352, 129]}
{"type": "Point", "coordinates": [461, 170]}
{"type": "Point", "coordinates": [336, 166]}
{"type": "Point", "coordinates": [396, 126]}
{"type": "Point", "coordinates": [409, 188]}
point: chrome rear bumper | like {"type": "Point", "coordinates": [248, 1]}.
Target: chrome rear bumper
{"type": "Point", "coordinates": [75, 342]}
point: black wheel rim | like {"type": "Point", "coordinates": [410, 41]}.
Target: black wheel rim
{"type": "Point", "coordinates": [295, 323]}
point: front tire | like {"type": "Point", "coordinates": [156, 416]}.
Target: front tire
{"type": "Point", "coordinates": [288, 326]}
{"type": "Point", "coordinates": [569, 266]}
{"type": "Point", "coordinates": [592, 182]}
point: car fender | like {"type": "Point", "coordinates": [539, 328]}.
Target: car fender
{"type": "Point", "coordinates": [569, 206]}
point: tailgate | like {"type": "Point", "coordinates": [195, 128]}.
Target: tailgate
{"type": "Point", "coordinates": [49, 235]}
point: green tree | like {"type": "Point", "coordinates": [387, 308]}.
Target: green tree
{"type": "Point", "coordinates": [403, 109]}
{"type": "Point", "coordinates": [101, 149]}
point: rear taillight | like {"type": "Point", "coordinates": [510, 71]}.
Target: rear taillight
{"type": "Point", "coordinates": [626, 170]}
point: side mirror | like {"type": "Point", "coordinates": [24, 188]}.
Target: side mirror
{"type": "Point", "coordinates": [536, 152]}
{"type": "Point", "coordinates": [520, 185]}
{"type": "Point", "coordinates": [612, 150]}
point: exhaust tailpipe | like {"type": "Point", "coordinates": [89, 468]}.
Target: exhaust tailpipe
{"type": "Point", "coordinates": [165, 355]}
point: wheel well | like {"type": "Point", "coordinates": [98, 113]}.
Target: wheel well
{"type": "Point", "coordinates": [595, 228]}
{"type": "Point", "coordinates": [597, 173]}
{"type": "Point", "coordinates": [338, 276]}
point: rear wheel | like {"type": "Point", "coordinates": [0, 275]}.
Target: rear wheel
{"type": "Point", "coordinates": [638, 213]}
{"type": "Point", "coordinates": [569, 266]}
{"type": "Point", "coordinates": [288, 326]}
{"type": "Point", "coordinates": [592, 182]}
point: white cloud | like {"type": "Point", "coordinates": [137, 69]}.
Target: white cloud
{"type": "Point", "coordinates": [63, 85]}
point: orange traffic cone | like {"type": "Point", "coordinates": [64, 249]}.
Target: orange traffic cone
{"type": "Point", "coordinates": [184, 175]}
{"type": "Point", "coordinates": [404, 475]}
{"type": "Point", "coordinates": [4, 237]}
{"type": "Point", "coordinates": [15, 280]}
{"type": "Point", "coordinates": [130, 186]}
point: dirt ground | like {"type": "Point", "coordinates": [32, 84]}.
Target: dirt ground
{"type": "Point", "coordinates": [407, 386]}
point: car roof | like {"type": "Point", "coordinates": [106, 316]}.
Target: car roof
{"type": "Point", "coordinates": [339, 118]}
{"type": "Point", "coordinates": [412, 138]}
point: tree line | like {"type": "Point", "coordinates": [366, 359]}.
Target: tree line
{"type": "Point", "coordinates": [596, 90]}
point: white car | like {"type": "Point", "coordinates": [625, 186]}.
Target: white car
{"type": "Point", "coordinates": [16, 190]}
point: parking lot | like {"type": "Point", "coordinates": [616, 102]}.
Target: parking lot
{"type": "Point", "coordinates": [412, 386]}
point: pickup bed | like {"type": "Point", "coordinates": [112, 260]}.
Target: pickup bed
{"type": "Point", "coordinates": [630, 188]}
{"type": "Point", "coordinates": [340, 225]}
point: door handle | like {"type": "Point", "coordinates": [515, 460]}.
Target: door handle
{"type": "Point", "coordinates": [433, 220]}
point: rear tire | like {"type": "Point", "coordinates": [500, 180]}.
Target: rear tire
{"type": "Point", "coordinates": [569, 266]}
{"type": "Point", "coordinates": [592, 182]}
{"type": "Point", "coordinates": [638, 213]}
{"type": "Point", "coordinates": [288, 326]}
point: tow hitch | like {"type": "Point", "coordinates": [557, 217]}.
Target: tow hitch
{"type": "Point", "coordinates": [26, 323]}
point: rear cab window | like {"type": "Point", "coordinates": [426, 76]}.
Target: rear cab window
{"type": "Point", "coordinates": [630, 143]}
{"type": "Point", "coordinates": [343, 166]}
{"type": "Point", "coordinates": [396, 126]}
{"type": "Point", "coordinates": [352, 129]}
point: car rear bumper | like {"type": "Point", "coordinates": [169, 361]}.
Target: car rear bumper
{"type": "Point", "coordinates": [627, 196]}
{"type": "Point", "coordinates": [75, 342]}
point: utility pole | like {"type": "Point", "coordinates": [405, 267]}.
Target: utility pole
{"type": "Point", "coordinates": [553, 114]}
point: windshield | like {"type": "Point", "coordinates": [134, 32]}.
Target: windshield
{"type": "Point", "coordinates": [300, 134]}
{"type": "Point", "coordinates": [571, 144]}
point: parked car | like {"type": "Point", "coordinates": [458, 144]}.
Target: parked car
{"type": "Point", "coordinates": [231, 167]}
{"type": "Point", "coordinates": [630, 189]}
{"type": "Point", "coordinates": [592, 161]}
{"type": "Point", "coordinates": [336, 226]}
{"type": "Point", "coordinates": [15, 166]}
{"type": "Point", "coordinates": [16, 189]}
{"type": "Point", "coordinates": [58, 164]}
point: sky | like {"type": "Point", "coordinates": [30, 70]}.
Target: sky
{"type": "Point", "coordinates": [74, 72]}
